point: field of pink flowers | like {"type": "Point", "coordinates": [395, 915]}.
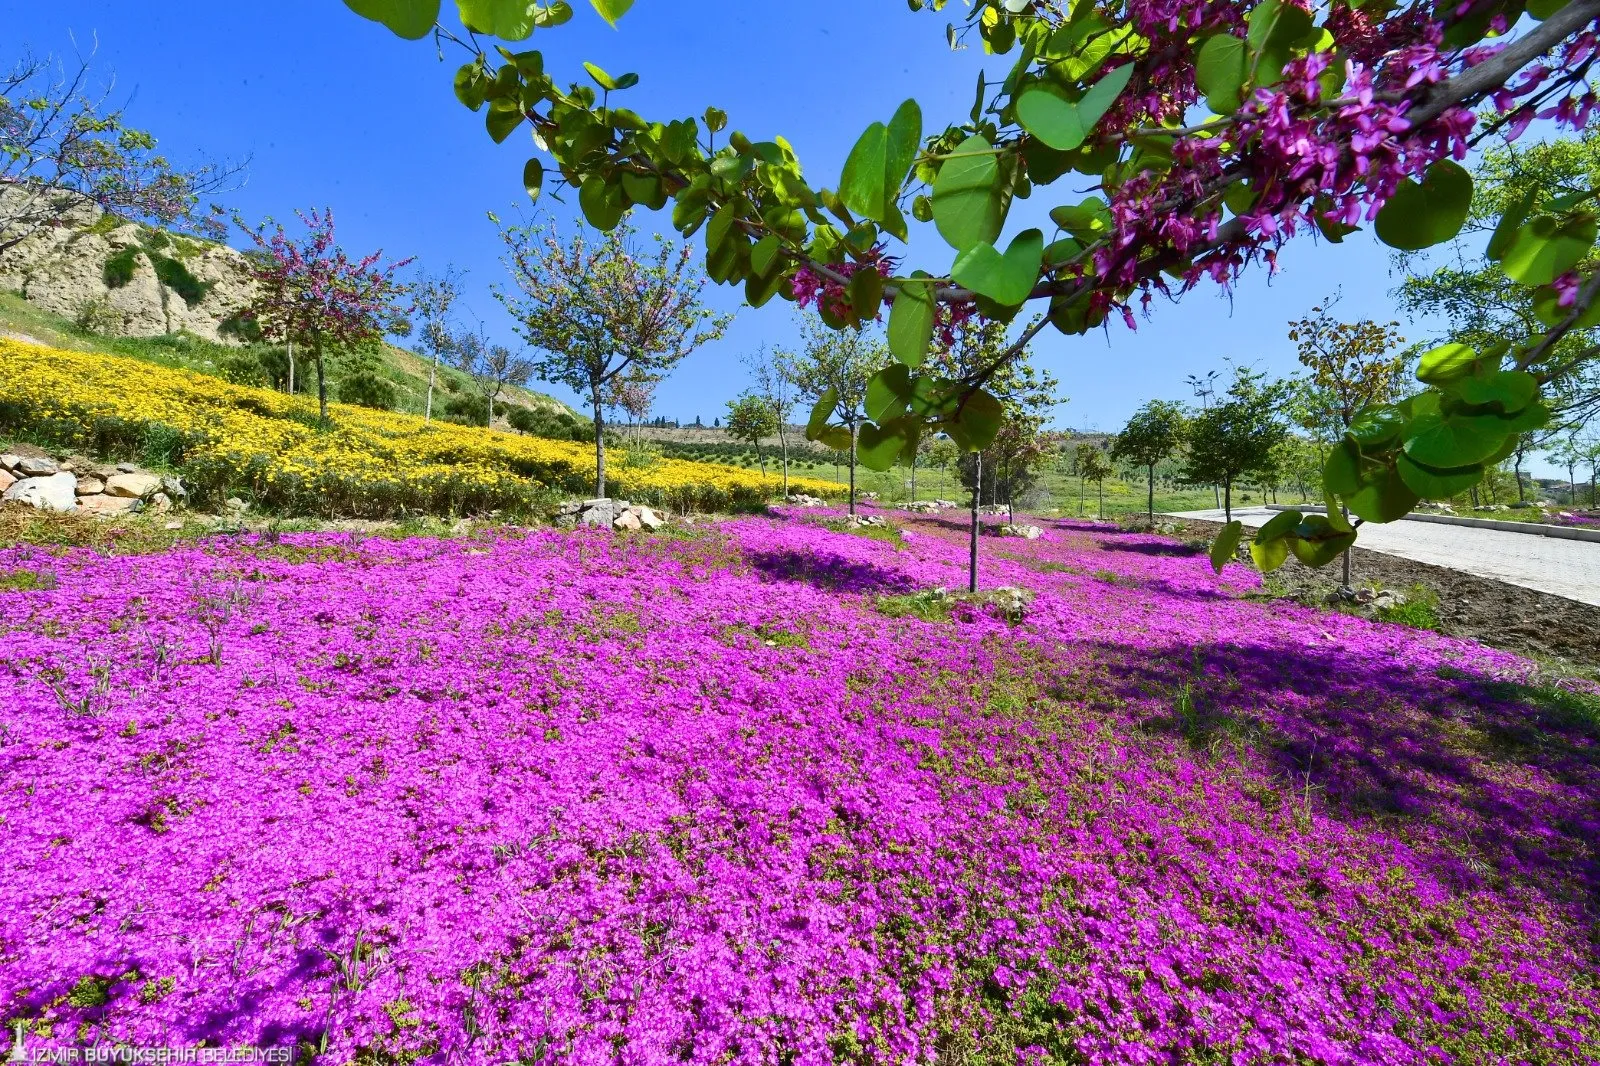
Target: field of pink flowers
{"type": "Point", "coordinates": [558, 797]}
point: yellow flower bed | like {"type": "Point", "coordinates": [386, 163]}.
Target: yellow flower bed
{"type": "Point", "coordinates": [236, 439]}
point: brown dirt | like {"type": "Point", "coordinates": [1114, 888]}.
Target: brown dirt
{"type": "Point", "coordinates": [1491, 612]}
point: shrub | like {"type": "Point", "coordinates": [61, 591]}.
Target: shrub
{"type": "Point", "coordinates": [98, 317]}
{"type": "Point", "coordinates": [367, 389]}
{"type": "Point", "coordinates": [175, 276]}
{"type": "Point", "coordinates": [118, 270]}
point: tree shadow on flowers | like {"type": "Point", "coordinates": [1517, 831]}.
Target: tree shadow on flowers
{"type": "Point", "coordinates": [1489, 779]}
{"type": "Point", "coordinates": [826, 570]}
{"type": "Point", "coordinates": [1152, 548]}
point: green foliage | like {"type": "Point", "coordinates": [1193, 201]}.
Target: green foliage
{"type": "Point", "coordinates": [367, 389]}
{"type": "Point", "coordinates": [117, 271]}
{"type": "Point", "coordinates": [1236, 436]}
{"type": "Point", "coordinates": [175, 275]}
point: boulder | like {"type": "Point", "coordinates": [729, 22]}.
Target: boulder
{"type": "Point", "coordinates": [1026, 532]}
{"type": "Point", "coordinates": [160, 503]}
{"type": "Point", "coordinates": [626, 520]}
{"type": "Point", "coordinates": [133, 486]}
{"type": "Point", "coordinates": [127, 468]}
{"type": "Point", "coordinates": [800, 499]}
{"type": "Point", "coordinates": [90, 486]}
{"type": "Point", "coordinates": [649, 519]}
{"type": "Point", "coordinates": [7, 479]}
{"type": "Point", "coordinates": [103, 506]}
{"type": "Point", "coordinates": [174, 488]}
{"type": "Point", "coordinates": [57, 492]}
{"type": "Point", "coordinates": [9, 461]}
{"type": "Point", "coordinates": [32, 466]}
{"type": "Point", "coordinates": [596, 513]}
{"type": "Point", "coordinates": [235, 504]}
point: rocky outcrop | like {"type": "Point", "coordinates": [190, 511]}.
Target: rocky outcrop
{"type": "Point", "coordinates": [64, 270]}
{"type": "Point", "coordinates": [609, 514]}
{"type": "Point", "coordinates": [77, 486]}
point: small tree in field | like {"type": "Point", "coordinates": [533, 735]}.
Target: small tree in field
{"type": "Point", "coordinates": [772, 379]}
{"type": "Point", "coordinates": [492, 367]}
{"type": "Point", "coordinates": [309, 292]}
{"type": "Point", "coordinates": [837, 364]}
{"type": "Point", "coordinates": [597, 311]}
{"type": "Point", "coordinates": [436, 296]}
{"type": "Point", "coordinates": [1150, 437]}
{"type": "Point", "coordinates": [634, 394]}
{"type": "Point", "coordinates": [1093, 465]}
{"type": "Point", "coordinates": [751, 419]}
{"type": "Point", "coordinates": [1236, 436]}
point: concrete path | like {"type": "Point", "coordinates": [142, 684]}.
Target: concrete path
{"type": "Point", "coordinates": [1569, 568]}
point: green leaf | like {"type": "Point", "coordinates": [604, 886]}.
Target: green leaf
{"type": "Point", "coordinates": [1384, 497]}
{"type": "Point", "coordinates": [1510, 390]}
{"type": "Point", "coordinates": [1221, 70]}
{"type": "Point", "coordinates": [1279, 525]}
{"type": "Point", "coordinates": [976, 422]}
{"type": "Point", "coordinates": [411, 19]}
{"type": "Point", "coordinates": [765, 254]}
{"type": "Point", "coordinates": [1087, 221]}
{"type": "Point", "coordinates": [1546, 248]}
{"type": "Point", "coordinates": [1432, 483]}
{"type": "Point", "coordinates": [510, 20]}
{"type": "Point", "coordinates": [911, 320]}
{"type": "Point", "coordinates": [601, 203]}
{"type": "Point", "coordinates": [1547, 310]}
{"type": "Point", "coordinates": [1543, 9]}
{"type": "Point", "coordinates": [1447, 363]}
{"type": "Point", "coordinates": [716, 119]}
{"type": "Point", "coordinates": [1270, 555]}
{"type": "Point", "coordinates": [601, 78]}
{"type": "Point", "coordinates": [469, 85]}
{"type": "Point", "coordinates": [1226, 546]}
{"type": "Point", "coordinates": [888, 392]}
{"type": "Point", "coordinates": [900, 148]}
{"type": "Point", "coordinates": [1422, 215]}
{"type": "Point", "coordinates": [1341, 471]}
{"type": "Point", "coordinates": [1006, 279]}
{"type": "Point", "coordinates": [877, 165]}
{"type": "Point", "coordinates": [1445, 442]}
{"type": "Point", "coordinates": [866, 293]}
{"type": "Point", "coordinates": [1376, 425]}
{"type": "Point", "coordinates": [644, 189]}
{"type": "Point", "coordinates": [1321, 539]}
{"type": "Point", "coordinates": [967, 207]}
{"type": "Point", "coordinates": [1505, 231]}
{"type": "Point", "coordinates": [1045, 111]}
{"type": "Point", "coordinates": [879, 446]}
{"type": "Point", "coordinates": [533, 178]}
{"type": "Point", "coordinates": [502, 118]}
{"type": "Point", "coordinates": [612, 10]}
{"type": "Point", "coordinates": [821, 411]}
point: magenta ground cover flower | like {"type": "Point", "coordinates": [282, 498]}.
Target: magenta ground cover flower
{"type": "Point", "coordinates": [575, 797]}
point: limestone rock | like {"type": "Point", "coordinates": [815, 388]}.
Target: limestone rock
{"type": "Point", "coordinates": [649, 519]}
{"type": "Point", "coordinates": [7, 479]}
{"type": "Point", "coordinates": [160, 503]}
{"type": "Point", "coordinates": [800, 499]}
{"type": "Point", "coordinates": [134, 486]}
{"type": "Point", "coordinates": [31, 466]}
{"type": "Point", "coordinates": [1026, 532]}
{"type": "Point", "coordinates": [90, 486]}
{"type": "Point", "coordinates": [597, 513]}
{"type": "Point", "coordinates": [55, 492]}
{"type": "Point", "coordinates": [127, 468]}
{"type": "Point", "coordinates": [626, 520]}
{"type": "Point", "coordinates": [103, 506]}
{"type": "Point", "coordinates": [9, 461]}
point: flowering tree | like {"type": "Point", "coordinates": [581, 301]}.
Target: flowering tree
{"type": "Point", "coordinates": [634, 394]}
{"type": "Point", "coordinates": [492, 368]}
{"type": "Point", "coordinates": [309, 292]}
{"type": "Point", "coordinates": [597, 312]}
{"type": "Point", "coordinates": [836, 367]}
{"type": "Point", "coordinates": [1320, 120]}
{"type": "Point", "coordinates": [751, 419]}
{"type": "Point", "coordinates": [63, 142]}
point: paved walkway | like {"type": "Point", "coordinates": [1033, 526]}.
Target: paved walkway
{"type": "Point", "coordinates": [1569, 568]}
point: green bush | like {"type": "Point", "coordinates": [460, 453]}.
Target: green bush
{"type": "Point", "coordinates": [367, 389]}
{"type": "Point", "coordinates": [118, 270]}
{"type": "Point", "coordinates": [175, 276]}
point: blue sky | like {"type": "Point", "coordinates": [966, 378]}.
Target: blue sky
{"type": "Point", "coordinates": [335, 111]}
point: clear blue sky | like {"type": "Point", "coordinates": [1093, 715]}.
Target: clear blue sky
{"type": "Point", "coordinates": [335, 111]}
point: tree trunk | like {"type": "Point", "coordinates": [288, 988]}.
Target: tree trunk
{"type": "Point", "coordinates": [1152, 498]}
{"type": "Point", "coordinates": [427, 407]}
{"type": "Point", "coordinates": [1346, 553]}
{"type": "Point", "coordinates": [852, 468]}
{"type": "Point", "coordinates": [1227, 500]}
{"type": "Point", "coordinates": [762, 459]}
{"type": "Point", "coordinates": [783, 446]}
{"type": "Point", "coordinates": [913, 477]}
{"type": "Point", "coordinates": [291, 368]}
{"type": "Point", "coordinates": [1080, 495]}
{"type": "Point", "coordinates": [972, 558]}
{"type": "Point", "coordinates": [1102, 484]}
{"type": "Point", "coordinates": [599, 448]}
{"type": "Point", "coordinates": [1517, 469]}
{"type": "Point", "coordinates": [322, 382]}
{"type": "Point", "coordinates": [489, 423]}
{"type": "Point", "coordinates": [1572, 485]}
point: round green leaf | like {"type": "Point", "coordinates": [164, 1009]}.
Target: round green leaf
{"type": "Point", "coordinates": [1510, 390]}
{"type": "Point", "coordinates": [1045, 111]}
{"type": "Point", "coordinates": [879, 446]}
{"type": "Point", "coordinates": [601, 203]}
{"type": "Point", "coordinates": [1547, 310]}
{"type": "Point", "coordinates": [411, 19]}
{"type": "Point", "coordinates": [1226, 546]}
{"type": "Point", "coordinates": [611, 10]}
{"type": "Point", "coordinates": [510, 20]}
{"type": "Point", "coordinates": [1006, 279]}
{"type": "Point", "coordinates": [1269, 555]}
{"type": "Point", "coordinates": [1278, 526]}
{"type": "Point", "coordinates": [1432, 212]}
{"type": "Point", "coordinates": [533, 178]}
{"type": "Point", "coordinates": [911, 320]}
{"type": "Point", "coordinates": [1382, 497]}
{"type": "Point", "coordinates": [976, 423]}
{"type": "Point", "coordinates": [1442, 442]}
{"type": "Point", "coordinates": [1545, 248]}
{"type": "Point", "coordinates": [821, 411]}
{"type": "Point", "coordinates": [967, 206]}
{"type": "Point", "coordinates": [1221, 70]}
{"type": "Point", "coordinates": [1321, 539]}
{"type": "Point", "coordinates": [1432, 483]}
{"type": "Point", "coordinates": [1376, 425]}
{"type": "Point", "coordinates": [1446, 363]}
{"type": "Point", "coordinates": [1341, 471]}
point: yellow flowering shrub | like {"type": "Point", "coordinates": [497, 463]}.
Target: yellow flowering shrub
{"type": "Point", "coordinates": [236, 439]}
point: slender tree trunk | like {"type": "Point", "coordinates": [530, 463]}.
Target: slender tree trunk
{"type": "Point", "coordinates": [760, 458]}
{"type": "Point", "coordinates": [852, 468]}
{"type": "Point", "coordinates": [1572, 484]}
{"type": "Point", "coordinates": [599, 448]}
{"type": "Point", "coordinates": [783, 446]}
{"type": "Point", "coordinates": [1152, 497]}
{"type": "Point", "coordinates": [489, 420]}
{"type": "Point", "coordinates": [913, 477]}
{"type": "Point", "coordinates": [1227, 500]}
{"type": "Point", "coordinates": [1346, 553]}
{"type": "Point", "coordinates": [1102, 484]}
{"type": "Point", "coordinates": [322, 382]}
{"type": "Point", "coordinates": [291, 368]}
{"type": "Point", "coordinates": [972, 547]}
{"type": "Point", "coordinates": [427, 407]}
{"type": "Point", "coordinates": [1518, 470]}
{"type": "Point", "coordinates": [1080, 495]}
{"type": "Point", "coordinates": [1592, 472]}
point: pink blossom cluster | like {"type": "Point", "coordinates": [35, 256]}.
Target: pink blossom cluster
{"type": "Point", "coordinates": [594, 799]}
{"type": "Point", "coordinates": [813, 287]}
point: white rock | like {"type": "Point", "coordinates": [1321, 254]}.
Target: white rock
{"type": "Point", "coordinates": [649, 519]}
{"type": "Point", "coordinates": [160, 503]}
{"type": "Point", "coordinates": [627, 520]}
{"type": "Point", "coordinates": [34, 466]}
{"type": "Point", "coordinates": [127, 468]}
{"type": "Point", "coordinates": [134, 486]}
{"type": "Point", "coordinates": [107, 506]}
{"type": "Point", "coordinates": [56, 492]}
{"type": "Point", "coordinates": [10, 461]}
{"type": "Point", "coordinates": [1024, 531]}
{"type": "Point", "coordinates": [90, 486]}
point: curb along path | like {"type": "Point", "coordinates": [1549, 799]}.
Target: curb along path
{"type": "Point", "coordinates": [1556, 565]}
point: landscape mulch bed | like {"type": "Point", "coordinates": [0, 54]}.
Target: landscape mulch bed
{"type": "Point", "coordinates": [1504, 616]}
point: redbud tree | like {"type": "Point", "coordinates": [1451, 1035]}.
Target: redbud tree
{"type": "Point", "coordinates": [1212, 133]}
{"type": "Point", "coordinates": [309, 292]}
